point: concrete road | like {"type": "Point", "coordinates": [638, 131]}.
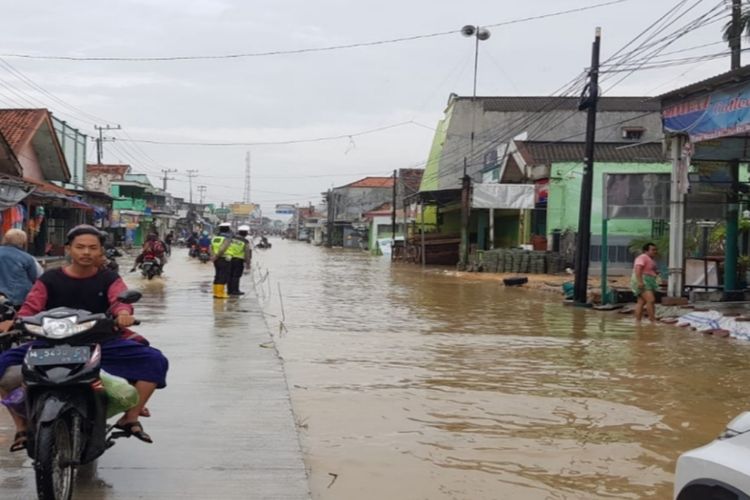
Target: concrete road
{"type": "Point", "coordinates": [222, 429]}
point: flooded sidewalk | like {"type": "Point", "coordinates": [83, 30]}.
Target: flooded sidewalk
{"type": "Point", "coordinates": [223, 427]}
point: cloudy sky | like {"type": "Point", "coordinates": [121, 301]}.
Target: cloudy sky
{"type": "Point", "coordinates": [293, 97]}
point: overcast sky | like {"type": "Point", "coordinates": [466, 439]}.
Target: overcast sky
{"type": "Point", "coordinates": [305, 96]}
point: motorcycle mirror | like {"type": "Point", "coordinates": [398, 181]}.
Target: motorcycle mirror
{"type": "Point", "coordinates": [129, 297]}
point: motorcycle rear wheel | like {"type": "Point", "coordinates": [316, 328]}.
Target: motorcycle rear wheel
{"type": "Point", "coordinates": [54, 472]}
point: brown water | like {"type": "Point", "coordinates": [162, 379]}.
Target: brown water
{"type": "Point", "coordinates": [412, 384]}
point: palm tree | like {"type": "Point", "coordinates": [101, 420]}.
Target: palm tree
{"type": "Point", "coordinates": [729, 33]}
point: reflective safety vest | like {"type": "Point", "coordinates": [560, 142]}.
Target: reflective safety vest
{"type": "Point", "coordinates": [216, 243]}
{"type": "Point", "coordinates": [236, 249]}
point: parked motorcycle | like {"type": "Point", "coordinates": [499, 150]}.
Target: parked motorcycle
{"type": "Point", "coordinates": [150, 267]}
{"type": "Point", "coordinates": [203, 255]}
{"type": "Point", "coordinates": [65, 402]}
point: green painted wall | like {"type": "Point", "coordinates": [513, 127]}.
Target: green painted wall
{"type": "Point", "coordinates": [432, 168]}
{"type": "Point", "coordinates": [565, 194]}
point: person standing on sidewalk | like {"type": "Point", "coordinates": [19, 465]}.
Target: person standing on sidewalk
{"type": "Point", "coordinates": [645, 281]}
{"type": "Point", "coordinates": [222, 266]}
{"type": "Point", "coordinates": [239, 251]}
{"type": "Point", "coordinates": [18, 269]}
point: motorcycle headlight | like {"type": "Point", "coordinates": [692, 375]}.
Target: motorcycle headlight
{"type": "Point", "coordinates": [58, 328]}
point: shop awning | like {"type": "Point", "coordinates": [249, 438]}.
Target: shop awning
{"type": "Point", "coordinates": [13, 192]}
{"type": "Point", "coordinates": [503, 196]}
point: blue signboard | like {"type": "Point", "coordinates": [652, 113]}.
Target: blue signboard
{"type": "Point", "coordinates": [719, 114]}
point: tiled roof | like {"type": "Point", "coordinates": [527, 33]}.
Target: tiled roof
{"type": "Point", "coordinates": [544, 153]}
{"type": "Point", "coordinates": [545, 104]}
{"type": "Point", "coordinates": [18, 125]}
{"type": "Point", "coordinates": [115, 168]}
{"type": "Point", "coordinates": [372, 182]}
{"type": "Point", "coordinates": [8, 161]}
{"type": "Point", "coordinates": [48, 188]}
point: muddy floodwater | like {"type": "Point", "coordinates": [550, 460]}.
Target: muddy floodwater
{"type": "Point", "coordinates": [412, 384]}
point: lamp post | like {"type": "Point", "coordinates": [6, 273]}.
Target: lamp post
{"type": "Point", "coordinates": [479, 34]}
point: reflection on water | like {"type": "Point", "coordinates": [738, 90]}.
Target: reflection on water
{"type": "Point", "coordinates": [418, 384]}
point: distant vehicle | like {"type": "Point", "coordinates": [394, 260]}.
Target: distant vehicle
{"type": "Point", "coordinates": [203, 255]}
{"type": "Point", "coordinates": [719, 470]}
{"type": "Point", "coordinates": [263, 243]}
{"type": "Point", "coordinates": [304, 235]}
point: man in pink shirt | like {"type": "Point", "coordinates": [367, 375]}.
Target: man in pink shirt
{"type": "Point", "coordinates": [645, 282]}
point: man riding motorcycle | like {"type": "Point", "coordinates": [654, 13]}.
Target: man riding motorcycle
{"type": "Point", "coordinates": [85, 285]}
{"type": "Point", "coordinates": [153, 249]}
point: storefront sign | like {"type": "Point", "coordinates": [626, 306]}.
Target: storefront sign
{"type": "Point", "coordinates": [719, 114]}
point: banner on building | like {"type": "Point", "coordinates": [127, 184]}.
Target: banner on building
{"type": "Point", "coordinates": [509, 196]}
{"type": "Point", "coordinates": [722, 113]}
{"type": "Point", "coordinates": [240, 209]}
{"type": "Point", "coordinates": [285, 209]}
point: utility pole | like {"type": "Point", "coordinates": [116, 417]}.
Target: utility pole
{"type": "Point", "coordinates": [246, 194]}
{"type": "Point", "coordinates": [393, 217]}
{"type": "Point", "coordinates": [191, 174]}
{"type": "Point", "coordinates": [166, 172]}
{"type": "Point", "coordinates": [202, 191]}
{"type": "Point", "coordinates": [100, 140]}
{"type": "Point", "coordinates": [732, 222]}
{"type": "Point", "coordinates": [463, 257]}
{"type": "Point", "coordinates": [329, 203]}
{"type": "Point", "coordinates": [583, 238]}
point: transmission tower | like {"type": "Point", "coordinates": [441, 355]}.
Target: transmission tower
{"type": "Point", "coordinates": [246, 195]}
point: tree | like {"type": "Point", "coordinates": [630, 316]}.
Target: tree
{"type": "Point", "coordinates": [744, 26]}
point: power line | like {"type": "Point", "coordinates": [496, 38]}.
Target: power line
{"type": "Point", "coordinates": [304, 50]}
{"type": "Point", "coordinates": [276, 143]}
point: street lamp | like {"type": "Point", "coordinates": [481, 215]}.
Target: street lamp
{"type": "Point", "coordinates": [479, 34]}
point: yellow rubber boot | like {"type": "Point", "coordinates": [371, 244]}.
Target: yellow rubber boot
{"type": "Point", "coordinates": [220, 292]}
{"type": "Point", "coordinates": [223, 290]}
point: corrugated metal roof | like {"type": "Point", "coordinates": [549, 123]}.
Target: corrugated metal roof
{"type": "Point", "coordinates": [19, 125]}
{"type": "Point", "coordinates": [709, 84]}
{"type": "Point", "coordinates": [540, 104]}
{"type": "Point", "coordinates": [411, 177]}
{"type": "Point", "coordinates": [545, 153]}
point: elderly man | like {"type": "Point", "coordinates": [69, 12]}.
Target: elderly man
{"type": "Point", "coordinates": [18, 269]}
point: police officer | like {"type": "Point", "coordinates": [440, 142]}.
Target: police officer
{"type": "Point", "coordinates": [219, 245]}
{"type": "Point", "coordinates": [239, 251]}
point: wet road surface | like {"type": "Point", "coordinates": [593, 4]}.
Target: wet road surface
{"type": "Point", "coordinates": [223, 428]}
{"type": "Point", "coordinates": [414, 384]}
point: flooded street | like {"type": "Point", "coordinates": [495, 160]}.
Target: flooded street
{"type": "Point", "coordinates": [414, 384]}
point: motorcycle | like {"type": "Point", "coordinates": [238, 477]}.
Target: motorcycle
{"type": "Point", "coordinates": [65, 401]}
{"type": "Point", "coordinates": [150, 267]}
{"type": "Point", "coordinates": [264, 243]}
{"type": "Point", "coordinates": [7, 312]}
{"type": "Point", "coordinates": [111, 254]}
{"type": "Point", "coordinates": [203, 255]}
{"type": "Point", "coordinates": [193, 252]}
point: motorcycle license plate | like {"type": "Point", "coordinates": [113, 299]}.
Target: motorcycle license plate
{"type": "Point", "coordinates": [61, 355]}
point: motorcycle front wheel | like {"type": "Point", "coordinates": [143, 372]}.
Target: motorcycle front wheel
{"type": "Point", "coordinates": [54, 472]}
